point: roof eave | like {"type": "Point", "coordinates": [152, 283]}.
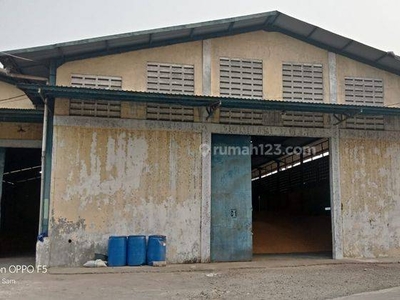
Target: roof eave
{"type": "Point", "coordinates": [269, 21]}
{"type": "Point", "coordinates": [199, 101]}
{"type": "Point", "coordinates": [21, 115]}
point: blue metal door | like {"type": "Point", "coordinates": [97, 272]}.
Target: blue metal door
{"type": "Point", "coordinates": [231, 220]}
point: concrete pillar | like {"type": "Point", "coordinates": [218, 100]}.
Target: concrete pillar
{"type": "Point", "coordinates": [206, 67]}
{"type": "Point", "coordinates": [332, 78]}
{"type": "Point", "coordinates": [206, 197]}
{"type": "Point", "coordinates": [336, 204]}
{"type": "Point", "coordinates": [42, 253]}
{"type": "Point", "coordinates": [206, 80]}
{"type": "Point", "coordinates": [206, 161]}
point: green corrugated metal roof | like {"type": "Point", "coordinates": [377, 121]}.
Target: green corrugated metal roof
{"type": "Point", "coordinates": [21, 115]}
{"type": "Point", "coordinates": [193, 100]}
{"type": "Point", "coordinates": [274, 21]}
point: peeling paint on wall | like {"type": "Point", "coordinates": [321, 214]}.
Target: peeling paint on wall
{"type": "Point", "coordinates": [121, 182]}
{"type": "Point", "coordinates": [370, 188]}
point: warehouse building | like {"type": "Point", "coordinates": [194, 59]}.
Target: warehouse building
{"type": "Point", "coordinates": [261, 134]}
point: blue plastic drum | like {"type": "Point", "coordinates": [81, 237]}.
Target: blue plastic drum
{"type": "Point", "coordinates": [136, 250]}
{"type": "Point", "coordinates": [117, 251]}
{"type": "Point", "coordinates": [156, 249]}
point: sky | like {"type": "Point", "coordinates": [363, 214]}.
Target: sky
{"type": "Point", "coordinates": [28, 23]}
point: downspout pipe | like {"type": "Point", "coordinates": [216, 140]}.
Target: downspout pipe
{"type": "Point", "coordinates": [47, 143]}
{"type": "Point", "coordinates": [44, 138]}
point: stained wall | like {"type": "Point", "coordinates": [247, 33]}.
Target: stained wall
{"type": "Point", "coordinates": [115, 181]}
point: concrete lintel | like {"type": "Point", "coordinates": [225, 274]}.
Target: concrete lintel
{"type": "Point", "coordinates": [90, 122]}
{"type": "Point", "coordinates": [21, 144]}
{"type": "Point", "coordinates": [206, 198]}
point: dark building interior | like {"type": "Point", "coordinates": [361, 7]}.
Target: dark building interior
{"type": "Point", "coordinates": [20, 202]}
{"type": "Point", "coordinates": [291, 197]}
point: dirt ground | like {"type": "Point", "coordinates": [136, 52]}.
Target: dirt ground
{"type": "Point", "coordinates": [278, 233]}
{"type": "Point", "coordinates": [265, 279]}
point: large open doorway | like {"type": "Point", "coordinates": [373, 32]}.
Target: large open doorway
{"type": "Point", "coordinates": [269, 195]}
{"type": "Point", "coordinates": [291, 196]}
{"type": "Point", "coordinates": [20, 201]}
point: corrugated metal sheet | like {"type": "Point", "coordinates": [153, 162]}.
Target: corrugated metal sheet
{"type": "Point", "coordinates": [21, 115]}
{"type": "Point", "coordinates": [231, 237]}
{"type": "Point", "coordinates": [35, 90]}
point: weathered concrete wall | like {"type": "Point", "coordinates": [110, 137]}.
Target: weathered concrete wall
{"type": "Point", "coordinates": [9, 91]}
{"type": "Point", "coordinates": [109, 181]}
{"type": "Point", "coordinates": [131, 66]}
{"type": "Point", "coordinates": [20, 131]}
{"type": "Point", "coordinates": [370, 194]}
{"type": "Point", "coordinates": [350, 68]}
{"type": "Point", "coordinates": [273, 49]}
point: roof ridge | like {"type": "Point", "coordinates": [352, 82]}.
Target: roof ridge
{"type": "Point", "coordinates": [144, 31]}
{"type": "Point", "coordinates": [37, 59]}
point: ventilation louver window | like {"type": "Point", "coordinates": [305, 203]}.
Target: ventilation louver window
{"type": "Point", "coordinates": [92, 81]}
{"type": "Point", "coordinates": [303, 82]}
{"type": "Point", "coordinates": [308, 120]}
{"type": "Point", "coordinates": [96, 108]}
{"type": "Point", "coordinates": [240, 116]}
{"type": "Point", "coordinates": [164, 112]}
{"type": "Point", "coordinates": [364, 91]}
{"type": "Point", "coordinates": [241, 78]}
{"type": "Point", "coordinates": [170, 78]}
